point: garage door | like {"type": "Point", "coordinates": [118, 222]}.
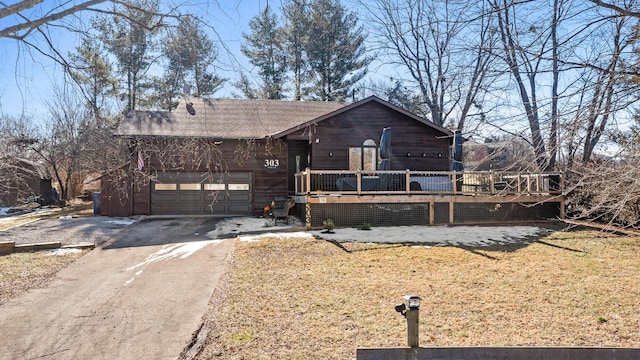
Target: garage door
{"type": "Point", "coordinates": [202, 193]}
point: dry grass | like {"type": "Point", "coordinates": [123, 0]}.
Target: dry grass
{"type": "Point", "coordinates": [20, 272]}
{"type": "Point", "coordinates": [309, 299]}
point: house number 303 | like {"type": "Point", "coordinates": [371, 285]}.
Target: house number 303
{"type": "Point", "coordinates": [271, 165]}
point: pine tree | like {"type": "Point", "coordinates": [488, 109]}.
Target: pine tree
{"type": "Point", "coordinates": [336, 51]}
{"type": "Point", "coordinates": [296, 37]}
{"type": "Point", "coordinates": [265, 50]}
{"type": "Point", "coordinates": [132, 42]}
{"type": "Point", "coordinates": [94, 75]}
{"type": "Point", "coordinates": [190, 53]}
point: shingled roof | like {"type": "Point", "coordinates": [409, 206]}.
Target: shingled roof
{"type": "Point", "coordinates": [225, 118]}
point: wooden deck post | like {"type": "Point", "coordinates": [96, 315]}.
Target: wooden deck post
{"type": "Point", "coordinates": [432, 215]}
{"type": "Point", "coordinates": [359, 181]}
{"type": "Point", "coordinates": [492, 182]}
{"type": "Point", "coordinates": [451, 214]}
{"type": "Point", "coordinates": [307, 171]}
{"type": "Point", "coordinates": [407, 181]}
{"type": "Point", "coordinates": [454, 181]}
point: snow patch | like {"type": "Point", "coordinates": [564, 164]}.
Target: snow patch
{"type": "Point", "coordinates": [238, 225]}
{"type": "Point", "coordinates": [181, 251]}
{"type": "Point", "coordinates": [64, 251]}
{"type": "Point", "coordinates": [291, 235]}
{"type": "Point", "coordinates": [123, 221]}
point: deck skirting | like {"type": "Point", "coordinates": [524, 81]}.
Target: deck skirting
{"type": "Point", "coordinates": [420, 209]}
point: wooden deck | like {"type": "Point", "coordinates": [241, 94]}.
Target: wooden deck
{"type": "Point", "coordinates": [434, 190]}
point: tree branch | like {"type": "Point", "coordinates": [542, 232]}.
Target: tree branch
{"type": "Point", "coordinates": [11, 31]}
{"type": "Point", "coordinates": [616, 8]}
{"type": "Point", "coordinates": [16, 8]}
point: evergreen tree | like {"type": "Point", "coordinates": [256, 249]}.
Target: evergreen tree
{"type": "Point", "coordinates": [190, 54]}
{"type": "Point", "coordinates": [336, 51]}
{"type": "Point", "coordinates": [265, 50]}
{"type": "Point", "coordinates": [244, 85]}
{"type": "Point", "coordinates": [132, 42]}
{"type": "Point", "coordinates": [296, 37]}
{"type": "Point", "coordinates": [94, 75]}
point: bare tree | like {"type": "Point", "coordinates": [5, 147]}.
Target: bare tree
{"type": "Point", "coordinates": [442, 46]}
{"type": "Point", "coordinates": [73, 143]}
{"type": "Point", "coordinates": [17, 135]}
{"type": "Point", "coordinates": [627, 10]}
{"type": "Point", "coordinates": [601, 106]}
{"type": "Point", "coordinates": [524, 58]}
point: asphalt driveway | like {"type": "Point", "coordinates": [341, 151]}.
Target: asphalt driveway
{"type": "Point", "coordinates": [140, 295]}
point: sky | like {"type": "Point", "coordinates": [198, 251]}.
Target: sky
{"type": "Point", "coordinates": [27, 77]}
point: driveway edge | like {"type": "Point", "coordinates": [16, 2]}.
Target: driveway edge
{"type": "Point", "coordinates": [199, 337]}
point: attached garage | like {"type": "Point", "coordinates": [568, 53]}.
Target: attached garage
{"type": "Point", "coordinates": [193, 193]}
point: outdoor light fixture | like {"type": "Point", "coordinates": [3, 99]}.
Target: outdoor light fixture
{"type": "Point", "coordinates": [410, 309]}
{"type": "Point", "coordinates": [408, 154]}
{"type": "Point", "coordinates": [412, 301]}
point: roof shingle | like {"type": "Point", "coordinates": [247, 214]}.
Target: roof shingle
{"type": "Point", "coordinates": [225, 118]}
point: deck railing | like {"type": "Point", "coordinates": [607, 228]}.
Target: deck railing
{"type": "Point", "coordinates": [427, 182]}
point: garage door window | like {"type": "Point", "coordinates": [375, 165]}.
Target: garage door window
{"type": "Point", "coordinates": [164, 187]}
{"type": "Point", "coordinates": [190, 186]}
{"type": "Point", "coordinates": [214, 187]}
{"type": "Point", "coordinates": [238, 187]}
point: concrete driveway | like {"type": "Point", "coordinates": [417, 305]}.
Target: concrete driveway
{"type": "Point", "coordinates": [141, 295]}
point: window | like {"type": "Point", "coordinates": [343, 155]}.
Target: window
{"type": "Point", "coordinates": [163, 187]}
{"type": "Point", "coordinates": [364, 157]}
{"type": "Point", "coordinates": [238, 187]}
{"type": "Point", "coordinates": [190, 186]}
{"type": "Point", "coordinates": [214, 187]}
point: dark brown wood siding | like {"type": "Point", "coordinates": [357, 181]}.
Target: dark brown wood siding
{"type": "Point", "coordinates": [415, 145]}
{"type": "Point", "coordinates": [267, 161]}
{"type": "Point", "coordinates": [20, 183]}
{"type": "Point", "coordinates": [115, 194]}
{"type": "Point", "coordinates": [141, 200]}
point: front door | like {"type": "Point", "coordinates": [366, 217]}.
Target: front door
{"type": "Point", "coordinates": [298, 161]}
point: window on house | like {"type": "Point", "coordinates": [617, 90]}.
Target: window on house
{"type": "Point", "coordinates": [364, 157]}
{"type": "Point", "coordinates": [238, 187]}
{"type": "Point", "coordinates": [164, 186]}
{"type": "Point", "coordinates": [214, 187]}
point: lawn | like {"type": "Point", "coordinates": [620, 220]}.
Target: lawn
{"type": "Point", "coordinates": [20, 272]}
{"type": "Point", "coordinates": [311, 299]}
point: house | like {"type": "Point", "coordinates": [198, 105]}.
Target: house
{"type": "Point", "coordinates": [231, 156]}
{"type": "Point", "coordinates": [22, 181]}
